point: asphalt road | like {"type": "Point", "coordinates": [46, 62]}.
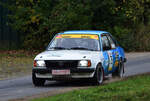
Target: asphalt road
{"type": "Point", "coordinates": [137, 63]}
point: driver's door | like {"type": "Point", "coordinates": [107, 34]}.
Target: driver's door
{"type": "Point", "coordinates": [107, 53]}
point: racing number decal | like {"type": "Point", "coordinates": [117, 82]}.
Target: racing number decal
{"type": "Point", "coordinates": [110, 61]}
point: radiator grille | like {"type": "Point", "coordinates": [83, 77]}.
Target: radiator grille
{"type": "Point", "coordinates": [61, 63]}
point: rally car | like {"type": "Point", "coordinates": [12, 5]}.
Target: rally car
{"type": "Point", "coordinates": [78, 55]}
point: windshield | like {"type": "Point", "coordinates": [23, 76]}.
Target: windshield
{"type": "Point", "coordinates": [76, 42]}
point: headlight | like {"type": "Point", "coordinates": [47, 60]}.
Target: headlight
{"type": "Point", "coordinates": [39, 63]}
{"type": "Point", "coordinates": [84, 63]}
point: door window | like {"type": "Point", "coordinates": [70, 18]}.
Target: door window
{"type": "Point", "coordinates": [105, 43]}
{"type": "Point", "coordinates": [112, 43]}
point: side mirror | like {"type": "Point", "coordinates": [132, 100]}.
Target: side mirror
{"type": "Point", "coordinates": [113, 46]}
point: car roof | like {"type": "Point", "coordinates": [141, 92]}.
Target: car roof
{"type": "Point", "coordinates": [84, 32]}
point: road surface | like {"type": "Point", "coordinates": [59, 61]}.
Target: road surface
{"type": "Point", "coordinates": [137, 63]}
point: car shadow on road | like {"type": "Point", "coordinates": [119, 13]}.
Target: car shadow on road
{"type": "Point", "coordinates": [69, 84]}
{"type": "Point", "coordinates": [72, 83]}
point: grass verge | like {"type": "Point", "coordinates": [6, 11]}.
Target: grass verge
{"type": "Point", "coordinates": [15, 63]}
{"type": "Point", "coordinates": [132, 89]}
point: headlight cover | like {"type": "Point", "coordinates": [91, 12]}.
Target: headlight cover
{"type": "Point", "coordinates": [39, 63]}
{"type": "Point", "coordinates": [84, 63]}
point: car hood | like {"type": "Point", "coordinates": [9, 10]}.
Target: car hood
{"type": "Point", "coordinates": [66, 55]}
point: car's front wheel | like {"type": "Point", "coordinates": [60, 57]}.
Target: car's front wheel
{"type": "Point", "coordinates": [37, 81]}
{"type": "Point", "coordinates": [99, 75]}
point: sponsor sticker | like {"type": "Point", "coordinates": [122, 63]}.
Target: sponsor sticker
{"type": "Point", "coordinates": [110, 61]}
{"type": "Point", "coordinates": [116, 64]}
{"type": "Point", "coordinates": [87, 36]}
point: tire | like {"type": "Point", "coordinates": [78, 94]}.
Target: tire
{"type": "Point", "coordinates": [99, 75]}
{"type": "Point", "coordinates": [120, 71]}
{"type": "Point", "coordinates": [37, 81]}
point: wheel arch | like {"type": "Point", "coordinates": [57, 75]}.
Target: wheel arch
{"type": "Point", "coordinates": [99, 63]}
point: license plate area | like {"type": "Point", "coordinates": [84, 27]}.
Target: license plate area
{"type": "Point", "coordinates": [60, 72]}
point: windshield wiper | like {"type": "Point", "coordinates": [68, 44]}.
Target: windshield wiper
{"type": "Point", "coordinates": [63, 48]}
{"type": "Point", "coordinates": [81, 48]}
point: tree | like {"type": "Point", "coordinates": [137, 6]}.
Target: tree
{"type": "Point", "coordinates": [39, 20]}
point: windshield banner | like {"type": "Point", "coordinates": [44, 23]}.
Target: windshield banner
{"type": "Point", "coordinates": [87, 36]}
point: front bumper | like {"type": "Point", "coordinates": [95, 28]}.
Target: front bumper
{"type": "Point", "coordinates": [78, 73]}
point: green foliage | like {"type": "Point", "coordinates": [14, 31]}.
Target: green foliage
{"type": "Point", "coordinates": [124, 37]}
{"type": "Point", "coordinates": [39, 20]}
{"type": "Point", "coordinates": [142, 38]}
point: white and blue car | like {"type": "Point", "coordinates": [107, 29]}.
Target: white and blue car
{"type": "Point", "coordinates": [79, 55]}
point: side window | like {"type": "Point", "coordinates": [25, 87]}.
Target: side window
{"type": "Point", "coordinates": [105, 43]}
{"type": "Point", "coordinates": [112, 43]}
